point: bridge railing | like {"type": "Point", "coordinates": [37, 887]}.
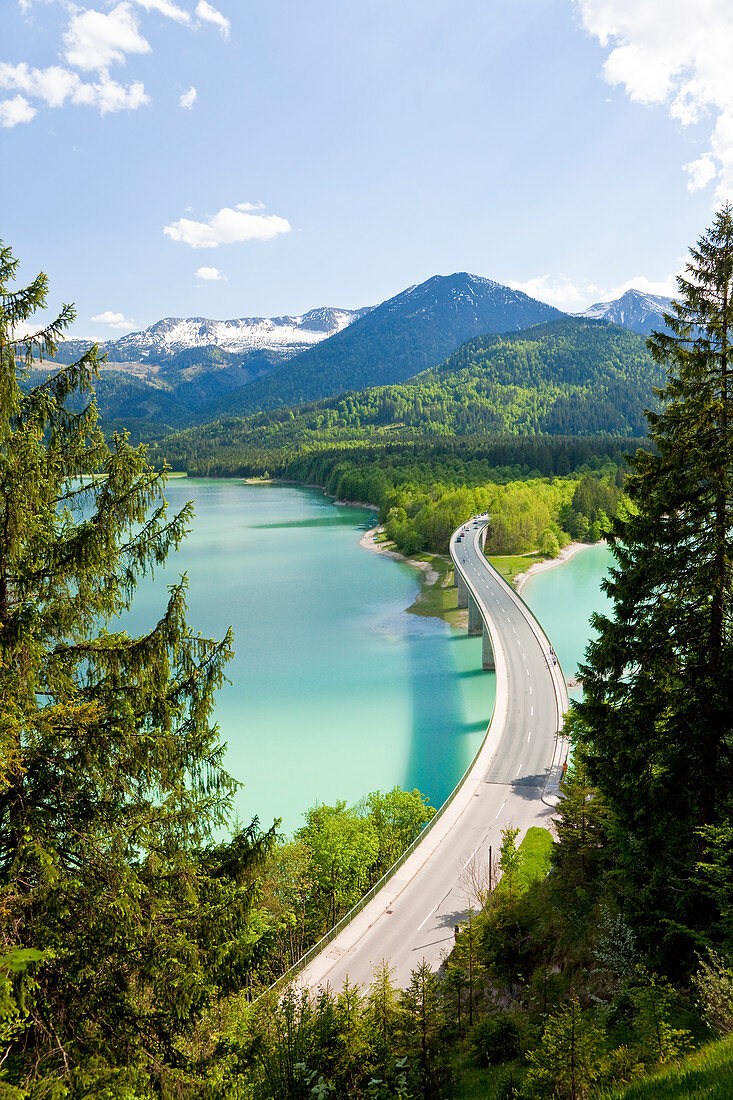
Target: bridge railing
{"type": "Point", "coordinates": [562, 744]}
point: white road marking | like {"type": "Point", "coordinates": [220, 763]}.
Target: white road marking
{"type": "Point", "coordinates": [528, 736]}
{"type": "Point", "coordinates": [427, 918]}
{"type": "Point", "coordinates": [473, 853]}
{"type": "Point", "coordinates": [531, 712]}
{"type": "Point", "coordinates": [530, 689]}
{"type": "Point", "coordinates": [519, 769]}
{"type": "Point", "coordinates": [445, 895]}
{"type": "Point", "coordinates": [500, 809]}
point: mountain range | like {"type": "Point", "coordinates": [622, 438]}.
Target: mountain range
{"type": "Point", "coordinates": [571, 376]}
{"type": "Point", "coordinates": [191, 370]}
{"type": "Point", "coordinates": [279, 337]}
{"type": "Point", "coordinates": [406, 334]}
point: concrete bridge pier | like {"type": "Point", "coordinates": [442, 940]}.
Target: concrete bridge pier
{"type": "Point", "coordinates": [462, 590]}
{"type": "Point", "coordinates": [487, 653]}
{"type": "Point", "coordinates": [475, 620]}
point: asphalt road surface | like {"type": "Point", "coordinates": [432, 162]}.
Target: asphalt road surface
{"type": "Point", "coordinates": [414, 916]}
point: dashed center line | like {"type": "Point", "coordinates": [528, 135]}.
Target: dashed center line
{"type": "Point", "coordinates": [433, 910]}
{"type": "Point", "coordinates": [500, 809]}
{"type": "Point", "coordinates": [473, 853]}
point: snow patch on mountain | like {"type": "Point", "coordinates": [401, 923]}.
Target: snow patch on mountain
{"type": "Point", "coordinates": [462, 292]}
{"type": "Point", "coordinates": [284, 335]}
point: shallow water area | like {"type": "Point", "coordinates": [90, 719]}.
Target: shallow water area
{"type": "Point", "coordinates": [335, 691]}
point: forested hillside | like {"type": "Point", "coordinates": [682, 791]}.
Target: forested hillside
{"type": "Point", "coordinates": [402, 336]}
{"type": "Point", "coordinates": [541, 491]}
{"type": "Point", "coordinates": [567, 377]}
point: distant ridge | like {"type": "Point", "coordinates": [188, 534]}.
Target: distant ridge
{"type": "Point", "coordinates": [409, 333]}
{"type": "Point", "coordinates": [634, 310]}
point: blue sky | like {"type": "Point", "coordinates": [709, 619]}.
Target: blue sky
{"type": "Point", "coordinates": [238, 158]}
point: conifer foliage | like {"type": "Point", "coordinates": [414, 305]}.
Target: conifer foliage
{"type": "Point", "coordinates": [656, 720]}
{"type": "Point", "coordinates": [119, 918]}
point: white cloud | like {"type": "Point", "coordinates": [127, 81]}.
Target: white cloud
{"type": "Point", "coordinates": [114, 320]}
{"type": "Point", "coordinates": [557, 290]}
{"type": "Point", "coordinates": [210, 274]}
{"type": "Point", "coordinates": [188, 98]}
{"type": "Point", "coordinates": [228, 226]}
{"type": "Point", "coordinates": [572, 297]}
{"type": "Point", "coordinates": [14, 111]}
{"type": "Point", "coordinates": [167, 8]}
{"type": "Point", "coordinates": [676, 55]}
{"type": "Point", "coordinates": [55, 85]}
{"type": "Point", "coordinates": [701, 172]}
{"type": "Point", "coordinates": [52, 85]}
{"type": "Point", "coordinates": [92, 42]}
{"type": "Point", "coordinates": [108, 96]}
{"type": "Point", "coordinates": [95, 40]}
{"type": "Point", "coordinates": [211, 15]}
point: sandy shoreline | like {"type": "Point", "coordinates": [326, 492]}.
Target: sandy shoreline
{"type": "Point", "coordinates": [368, 541]}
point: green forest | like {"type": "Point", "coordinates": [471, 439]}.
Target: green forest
{"type": "Point", "coordinates": [422, 491]}
{"type": "Point", "coordinates": [142, 929]}
{"type": "Point", "coordinates": [561, 378]}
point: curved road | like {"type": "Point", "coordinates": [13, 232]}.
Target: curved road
{"type": "Point", "coordinates": [413, 916]}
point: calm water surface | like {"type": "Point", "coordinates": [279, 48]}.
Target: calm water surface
{"type": "Point", "coordinates": [563, 600]}
{"type": "Point", "coordinates": [335, 690]}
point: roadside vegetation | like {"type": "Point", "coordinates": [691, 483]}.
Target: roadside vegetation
{"type": "Point", "coordinates": [511, 566]}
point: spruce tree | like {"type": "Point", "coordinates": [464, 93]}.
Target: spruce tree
{"type": "Point", "coordinates": [111, 777]}
{"type": "Point", "coordinates": [655, 724]}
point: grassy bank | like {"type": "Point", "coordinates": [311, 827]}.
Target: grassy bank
{"type": "Point", "coordinates": [511, 565]}
{"type": "Point", "coordinates": [437, 597]}
{"type": "Point", "coordinates": [705, 1075]}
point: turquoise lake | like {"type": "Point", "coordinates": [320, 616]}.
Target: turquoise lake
{"type": "Point", "coordinates": [336, 691]}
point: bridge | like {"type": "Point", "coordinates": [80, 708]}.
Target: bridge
{"type": "Point", "coordinates": [411, 915]}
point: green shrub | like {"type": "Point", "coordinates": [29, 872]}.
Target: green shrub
{"type": "Point", "coordinates": [495, 1039]}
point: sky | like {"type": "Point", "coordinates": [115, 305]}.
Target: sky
{"type": "Point", "coordinates": [241, 158]}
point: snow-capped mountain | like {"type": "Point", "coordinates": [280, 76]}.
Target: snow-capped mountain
{"type": "Point", "coordinates": [415, 329]}
{"type": "Point", "coordinates": [635, 310]}
{"type": "Point", "coordinates": [468, 296]}
{"type": "Point", "coordinates": [276, 338]}
{"type": "Point", "coordinates": [283, 336]}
